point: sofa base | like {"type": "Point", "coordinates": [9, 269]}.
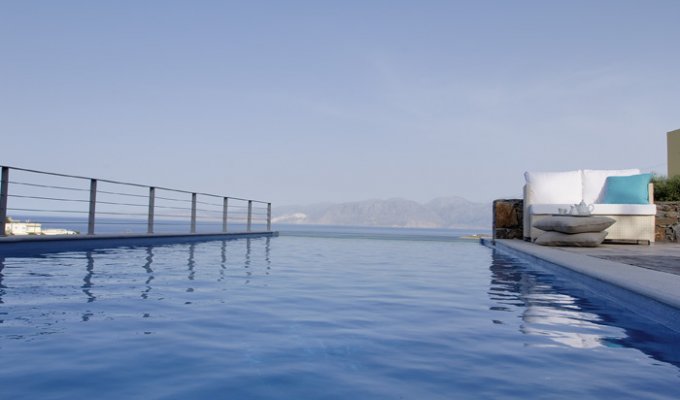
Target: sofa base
{"type": "Point", "coordinates": [633, 228]}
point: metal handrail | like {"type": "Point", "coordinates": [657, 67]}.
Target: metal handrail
{"type": "Point", "coordinates": [92, 201]}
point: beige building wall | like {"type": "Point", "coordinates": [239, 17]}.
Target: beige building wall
{"type": "Point", "coordinates": [674, 153]}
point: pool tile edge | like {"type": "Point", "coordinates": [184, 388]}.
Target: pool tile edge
{"type": "Point", "coordinates": [651, 293]}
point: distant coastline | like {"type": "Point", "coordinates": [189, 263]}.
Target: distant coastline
{"type": "Point", "coordinates": [444, 212]}
{"type": "Point", "coordinates": [353, 231]}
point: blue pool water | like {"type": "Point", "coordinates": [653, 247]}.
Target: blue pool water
{"type": "Point", "coordinates": [332, 317]}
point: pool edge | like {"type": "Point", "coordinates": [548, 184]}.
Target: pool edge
{"type": "Point", "coordinates": [654, 294]}
{"type": "Point", "coordinates": [33, 245]}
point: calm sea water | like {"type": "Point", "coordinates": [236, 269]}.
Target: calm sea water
{"type": "Point", "coordinates": [306, 317]}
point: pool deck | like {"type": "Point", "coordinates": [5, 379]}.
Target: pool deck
{"type": "Point", "coordinates": [28, 244]}
{"type": "Point", "coordinates": [650, 271]}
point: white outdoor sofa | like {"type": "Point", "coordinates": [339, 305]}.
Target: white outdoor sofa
{"type": "Point", "coordinates": [546, 192]}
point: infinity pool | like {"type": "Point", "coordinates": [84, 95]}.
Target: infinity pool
{"type": "Point", "coordinates": [318, 318]}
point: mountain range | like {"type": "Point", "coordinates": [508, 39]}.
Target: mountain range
{"type": "Point", "coordinates": [443, 212]}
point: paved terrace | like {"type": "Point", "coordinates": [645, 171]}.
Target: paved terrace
{"type": "Point", "coordinates": [644, 278]}
{"type": "Point", "coordinates": [662, 257]}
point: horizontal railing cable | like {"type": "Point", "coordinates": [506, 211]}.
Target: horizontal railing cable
{"type": "Point", "coordinates": [171, 199]}
{"type": "Point", "coordinates": [209, 204]}
{"type": "Point", "coordinates": [122, 204]}
{"type": "Point", "coordinates": [47, 198]}
{"type": "Point", "coordinates": [48, 186]}
{"type": "Point", "coordinates": [129, 184]}
{"type": "Point", "coordinates": [173, 215]}
{"type": "Point", "coordinates": [77, 200]}
{"type": "Point", "coordinates": [119, 213]}
{"type": "Point", "coordinates": [52, 211]}
{"type": "Point", "coordinates": [123, 194]}
{"type": "Point", "coordinates": [173, 208]}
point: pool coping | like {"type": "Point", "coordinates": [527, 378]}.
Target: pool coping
{"type": "Point", "coordinates": [652, 293]}
{"type": "Point", "coordinates": [29, 244]}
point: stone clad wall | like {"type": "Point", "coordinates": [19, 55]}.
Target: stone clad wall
{"type": "Point", "coordinates": [507, 219]}
{"type": "Point", "coordinates": [668, 221]}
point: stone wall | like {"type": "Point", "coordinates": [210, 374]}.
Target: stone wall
{"type": "Point", "coordinates": [507, 219]}
{"type": "Point", "coordinates": [668, 221]}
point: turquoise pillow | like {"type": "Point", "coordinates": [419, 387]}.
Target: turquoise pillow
{"type": "Point", "coordinates": [627, 189]}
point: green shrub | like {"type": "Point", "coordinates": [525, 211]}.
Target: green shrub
{"type": "Point", "coordinates": [666, 189]}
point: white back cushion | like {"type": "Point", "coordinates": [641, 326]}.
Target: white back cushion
{"type": "Point", "coordinates": [599, 209]}
{"type": "Point", "coordinates": [555, 187]}
{"type": "Point", "coordinates": [624, 209]}
{"type": "Point", "coordinates": [594, 179]}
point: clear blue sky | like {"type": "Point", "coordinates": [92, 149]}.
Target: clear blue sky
{"type": "Point", "coordinates": [298, 102]}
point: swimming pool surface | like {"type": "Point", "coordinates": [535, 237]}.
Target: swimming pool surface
{"type": "Point", "coordinates": [318, 318]}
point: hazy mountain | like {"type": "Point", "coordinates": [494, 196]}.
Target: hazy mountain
{"type": "Point", "coordinates": [444, 212]}
{"type": "Point", "coordinates": [459, 212]}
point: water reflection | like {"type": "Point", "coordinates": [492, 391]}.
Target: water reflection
{"type": "Point", "coordinates": [552, 309]}
{"type": "Point", "coordinates": [248, 260]}
{"type": "Point", "coordinates": [2, 278]}
{"type": "Point", "coordinates": [267, 249]}
{"type": "Point", "coordinates": [223, 260]}
{"type": "Point", "coordinates": [87, 283]}
{"type": "Point", "coordinates": [149, 272]}
{"type": "Point", "coordinates": [87, 280]}
{"type": "Point", "coordinates": [191, 263]}
{"type": "Point", "coordinates": [2, 286]}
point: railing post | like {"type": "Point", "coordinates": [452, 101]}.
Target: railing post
{"type": "Point", "coordinates": [93, 203]}
{"type": "Point", "coordinates": [225, 208]}
{"type": "Point", "coordinates": [250, 214]}
{"type": "Point", "coordinates": [152, 205]}
{"type": "Point", "coordinates": [193, 213]}
{"type": "Point", "coordinates": [4, 187]}
{"type": "Point", "coordinates": [269, 217]}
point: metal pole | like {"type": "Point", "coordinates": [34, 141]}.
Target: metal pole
{"type": "Point", "coordinates": [225, 207]}
{"type": "Point", "coordinates": [193, 213]}
{"type": "Point", "coordinates": [269, 217]}
{"type": "Point", "coordinates": [250, 214]}
{"type": "Point", "coordinates": [93, 203]}
{"type": "Point", "coordinates": [152, 204]}
{"type": "Point", "coordinates": [4, 186]}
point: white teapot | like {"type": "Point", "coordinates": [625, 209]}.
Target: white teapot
{"type": "Point", "coordinates": [582, 208]}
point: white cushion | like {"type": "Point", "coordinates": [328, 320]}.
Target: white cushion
{"type": "Point", "coordinates": [598, 209]}
{"type": "Point", "coordinates": [624, 209]}
{"type": "Point", "coordinates": [555, 187]}
{"type": "Point", "coordinates": [571, 225]}
{"type": "Point", "coordinates": [594, 179]}
{"type": "Point", "coordinates": [589, 239]}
